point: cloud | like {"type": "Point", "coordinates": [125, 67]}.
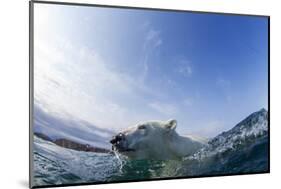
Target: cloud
{"type": "Point", "coordinates": [186, 71]}
{"type": "Point", "coordinates": [77, 81]}
{"type": "Point", "coordinates": [152, 41]}
{"type": "Point", "coordinates": [184, 68]}
{"type": "Point", "coordinates": [223, 83]}
{"type": "Point", "coordinates": [164, 108]}
{"type": "Point", "coordinates": [74, 81]}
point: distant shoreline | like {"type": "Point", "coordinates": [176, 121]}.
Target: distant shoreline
{"type": "Point", "coordinates": [70, 144]}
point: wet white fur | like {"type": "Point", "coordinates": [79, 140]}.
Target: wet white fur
{"type": "Point", "coordinates": [159, 140]}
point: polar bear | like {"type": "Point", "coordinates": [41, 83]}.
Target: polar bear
{"type": "Point", "coordinates": [155, 140]}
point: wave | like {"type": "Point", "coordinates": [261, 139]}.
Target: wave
{"type": "Point", "coordinates": [243, 149]}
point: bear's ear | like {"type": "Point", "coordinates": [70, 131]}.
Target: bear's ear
{"type": "Point", "coordinates": [171, 124]}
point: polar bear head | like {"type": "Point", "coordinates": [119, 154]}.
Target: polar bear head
{"type": "Point", "coordinates": [146, 140]}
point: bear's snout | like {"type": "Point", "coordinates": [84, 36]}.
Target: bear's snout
{"type": "Point", "coordinates": [116, 139]}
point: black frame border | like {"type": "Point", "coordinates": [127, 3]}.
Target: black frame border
{"type": "Point", "coordinates": [31, 90]}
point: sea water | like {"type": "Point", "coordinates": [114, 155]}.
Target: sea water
{"type": "Point", "coordinates": [56, 165]}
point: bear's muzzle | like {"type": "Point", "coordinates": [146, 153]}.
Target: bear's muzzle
{"type": "Point", "coordinates": [119, 143]}
{"type": "Point", "coordinates": [116, 139]}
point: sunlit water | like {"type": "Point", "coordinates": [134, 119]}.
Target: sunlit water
{"type": "Point", "coordinates": [243, 149]}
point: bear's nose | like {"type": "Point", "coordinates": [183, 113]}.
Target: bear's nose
{"type": "Point", "coordinates": [117, 138]}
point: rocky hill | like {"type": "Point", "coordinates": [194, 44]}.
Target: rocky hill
{"type": "Point", "coordinates": [67, 143]}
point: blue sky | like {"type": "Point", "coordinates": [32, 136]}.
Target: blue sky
{"type": "Point", "coordinates": [116, 67]}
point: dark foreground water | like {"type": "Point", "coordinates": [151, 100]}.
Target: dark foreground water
{"type": "Point", "coordinates": [243, 149]}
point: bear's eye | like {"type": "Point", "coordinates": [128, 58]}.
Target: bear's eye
{"type": "Point", "coordinates": [142, 127]}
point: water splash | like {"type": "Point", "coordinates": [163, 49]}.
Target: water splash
{"type": "Point", "coordinates": [120, 160]}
